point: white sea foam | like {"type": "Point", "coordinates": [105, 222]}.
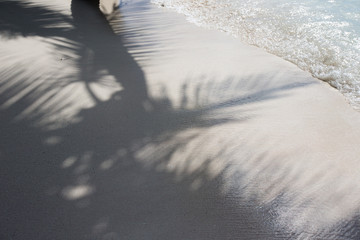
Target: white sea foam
{"type": "Point", "coordinates": [321, 36]}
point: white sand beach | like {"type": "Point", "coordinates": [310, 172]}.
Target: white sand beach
{"type": "Point", "coordinates": [146, 126]}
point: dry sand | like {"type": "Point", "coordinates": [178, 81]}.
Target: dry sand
{"type": "Point", "coordinates": [164, 130]}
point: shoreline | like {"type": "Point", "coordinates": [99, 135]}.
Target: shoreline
{"type": "Point", "coordinates": [320, 57]}
{"type": "Point", "coordinates": [166, 130]}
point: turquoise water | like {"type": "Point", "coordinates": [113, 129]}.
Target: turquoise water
{"type": "Point", "coordinates": [320, 36]}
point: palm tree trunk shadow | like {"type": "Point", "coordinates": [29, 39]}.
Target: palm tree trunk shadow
{"type": "Point", "coordinates": [106, 51]}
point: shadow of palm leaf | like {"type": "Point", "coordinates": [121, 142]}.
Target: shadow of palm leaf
{"type": "Point", "coordinates": [32, 20]}
{"type": "Point", "coordinates": [110, 170]}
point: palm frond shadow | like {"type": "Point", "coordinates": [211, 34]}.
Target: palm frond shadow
{"type": "Point", "coordinates": [28, 19]}
{"type": "Point", "coordinates": [74, 38]}
{"type": "Point", "coordinates": [112, 167]}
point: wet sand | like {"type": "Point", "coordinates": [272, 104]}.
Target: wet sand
{"type": "Point", "coordinates": [144, 126]}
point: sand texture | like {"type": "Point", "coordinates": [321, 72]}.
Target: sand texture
{"type": "Point", "coordinates": [144, 126]}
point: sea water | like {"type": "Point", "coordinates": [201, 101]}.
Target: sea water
{"type": "Point", "coordinates": [320, 36]}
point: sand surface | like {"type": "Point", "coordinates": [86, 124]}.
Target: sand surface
{"type": "Point", "coordinates": [149, 127]}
